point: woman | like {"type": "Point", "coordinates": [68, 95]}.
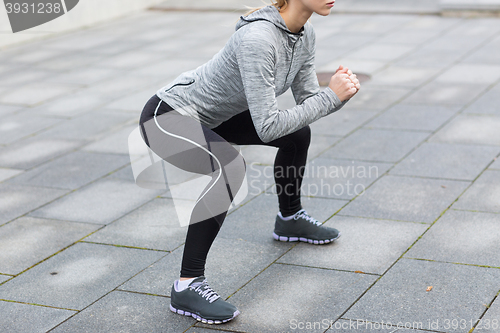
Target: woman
{"type": "Point", "coordinates": [232, 99]}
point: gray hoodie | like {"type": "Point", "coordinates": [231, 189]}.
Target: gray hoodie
{"type": "Point", "coordinates": [261, 60]}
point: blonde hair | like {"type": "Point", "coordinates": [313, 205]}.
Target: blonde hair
{"type": "Point", "coordinates": [280, 4]}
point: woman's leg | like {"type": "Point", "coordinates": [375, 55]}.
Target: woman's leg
{"type": "Point", "coordinates": [292, 222]}
{"type": "Point", "coordinates": [187, 144]}
{"type": "Point", "coordinates": [290, 161]}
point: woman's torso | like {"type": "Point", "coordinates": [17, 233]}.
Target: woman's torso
{"type": "Point", "coordinates": [214, 92]}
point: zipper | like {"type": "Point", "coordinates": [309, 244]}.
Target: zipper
{"type": "Point", "coordinates": [291, 60]}
{"type": "Point", "coordinates": [181, 84]}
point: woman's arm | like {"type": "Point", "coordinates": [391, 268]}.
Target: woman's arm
{"type": "Point", "coordinates": [256, 60]}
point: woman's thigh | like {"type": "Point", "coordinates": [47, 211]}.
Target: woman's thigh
{"type": "Point", "coordinates": [185, 143]}
{"type": "Point", "coordinates": [241, 130]}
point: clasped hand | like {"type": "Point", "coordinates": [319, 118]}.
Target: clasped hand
{"type": "Point", "coordinates": [344, 83]}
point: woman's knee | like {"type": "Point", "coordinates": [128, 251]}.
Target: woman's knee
{"type": "Point", "coordinates": [298, 140]}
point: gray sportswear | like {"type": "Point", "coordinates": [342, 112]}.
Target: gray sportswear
{"type": "Point", "coordinates": [261, 60]}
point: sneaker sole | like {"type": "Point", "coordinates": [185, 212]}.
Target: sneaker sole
{"type": "Point", "coordinates": [305, 240]}
{"type": "Point", "coordinates": [199, 318]}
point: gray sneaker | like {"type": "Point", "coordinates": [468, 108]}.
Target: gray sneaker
{"type": "Point", "coordinates": [303, 228]}
{"type": "Point", "coordinates": [199, 301]}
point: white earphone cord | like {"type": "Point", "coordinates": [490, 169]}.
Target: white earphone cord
{"type": "Point", "coordinates": [194, 143]}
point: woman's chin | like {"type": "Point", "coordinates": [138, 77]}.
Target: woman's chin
{"type": "Point", "coordinates": [324, 12]}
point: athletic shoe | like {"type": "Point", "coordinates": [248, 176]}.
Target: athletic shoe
{"type": "Point", "coordinates": [304, 228]}
{"type": "Point", "coordinates": [199, 301]}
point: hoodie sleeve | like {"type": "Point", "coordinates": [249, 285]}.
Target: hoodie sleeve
{"type": "Point", "coordinates": [257, 63]}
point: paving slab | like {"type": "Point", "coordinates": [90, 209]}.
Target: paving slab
{"type": "Point", "coordinates": [486, 31]}
{"type": "Point", "coordinates": [115, 46]}
{"type": "Point", "coordinates": [119, 86]}
{"type": "Point", "coordinates": [4, 278]}
{"type": "Point", "coordinates": [401, 296]}
{"type": "Point", "coordinates": [157, 279]}
{"type": "Point", "coordinates": [9, 109]}
{"type": "Point", "coordinates": [25, 75]}
{"type": "Point", "coordinates": [340, 179]}
{"type": "Point", "coordinates": [27, 241]}
{"type": "Point", "coordinates": [79, 41]}
{"type": "Point", "coordinates": [453, 42]}
{"type": "Point", "coordinates": [491, 321]}
{"type": "Point", "coordinates": [152, 226]}
{"type": "Point", "coordinates": [358, 66]}
{"type": "Point", "coordinates": [279, 284]}
{"type": "Point", "coordinates": [381, 52]}
{"type": "Point", "coordinates": [231, 263]}
{"type": "Point", "coordinates": [380, 24]}
{"type": "Point", "coordinates": [114, 143]}
{"type": "Point", "coordinates": [462, 73]}
{"type": "Point", "coordinates": [485, 54]}
{"type": "Point", "coordinates": [166, 69]}
{"type": "Point", "coordinates": [342, 122]}
{"type": "Point", "coordinates": [83, 274]}
{"type": "Point", "coordinates": [254, 222]}
{"type": "Point", "coordinates": [442, 160]}
{"type": "Point", "coordinates": [134, 103]}
{"type": "Point", "coordinates": [18, 126]}
{"type": "Point", "coordinates": [413, 117]}
{"type": "Point", "coordinates": [320, 144]}
{"type": "Point", "coordinates": [74, 104]}
{"type": "Point", "coordinates": [470, 129]}
{"type": "Point", "coordinates": [483, 195]}
{"type": "Point", "coordinates": [409, 35]}
{"type": "Point", "coordinates": [88, 126]}
{"type": "Point", "coordinates": [35, 93]}
{"type": "Point", "coordinates": [31, 152]}
{"type": "Point", "coordinates": [487, 103]}
{"type": "Point", "coordinates": [87, 75]}
{"type": "Point", "coordinates": [376, 145]}
{"type": "Point", "coordinates": [8, 173]}
{"type": "Point", "coordinates": [366, 245]}
{"type": "Point", "coordinates": [72, 171]}
{"type": "Point", "coordinates": [127, 312]}
{"type": "Point", "coordinates": [496, 164]}
{"type": "Point", "coordinates": [69, 61]}
{"type": "Point", "coordinates": [130, 60]}
{"type": "Point", "coordinates": [377, 97]}
{"type": "Point", "coordinates": [406, 199]}
{"type": "Point", "coordinates": [17, 200]}
{"type": "Point", "coordinates": [437, 93]}
{"type": "Point", "coordinates": [24, 318]}
{"type": "Point", "coordinates": [429, 58]}
{"type": "Point", "coordinates": [403, 76]}
{"type": "Point", "coordinates": [91, 203]}
{"type": "Point", "coordinates": [461, 237]}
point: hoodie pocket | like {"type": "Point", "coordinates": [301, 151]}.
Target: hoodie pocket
{"type": "Point", "coordinates": [187, 83]}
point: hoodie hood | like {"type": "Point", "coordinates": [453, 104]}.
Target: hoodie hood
{"type": "Point", "coordinates": [270, 14]}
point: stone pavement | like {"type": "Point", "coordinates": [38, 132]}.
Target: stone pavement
{"type": "Point", "coordinates": [83, 249]}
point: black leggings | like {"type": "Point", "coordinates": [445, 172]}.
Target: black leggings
{"type": "Point", "coordinates": [185, 143]}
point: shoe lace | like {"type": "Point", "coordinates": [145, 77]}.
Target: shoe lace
{"type": "Point", "coordinates": [204, 290]}
{"type": "Point", "coordinates": [303, 214]}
